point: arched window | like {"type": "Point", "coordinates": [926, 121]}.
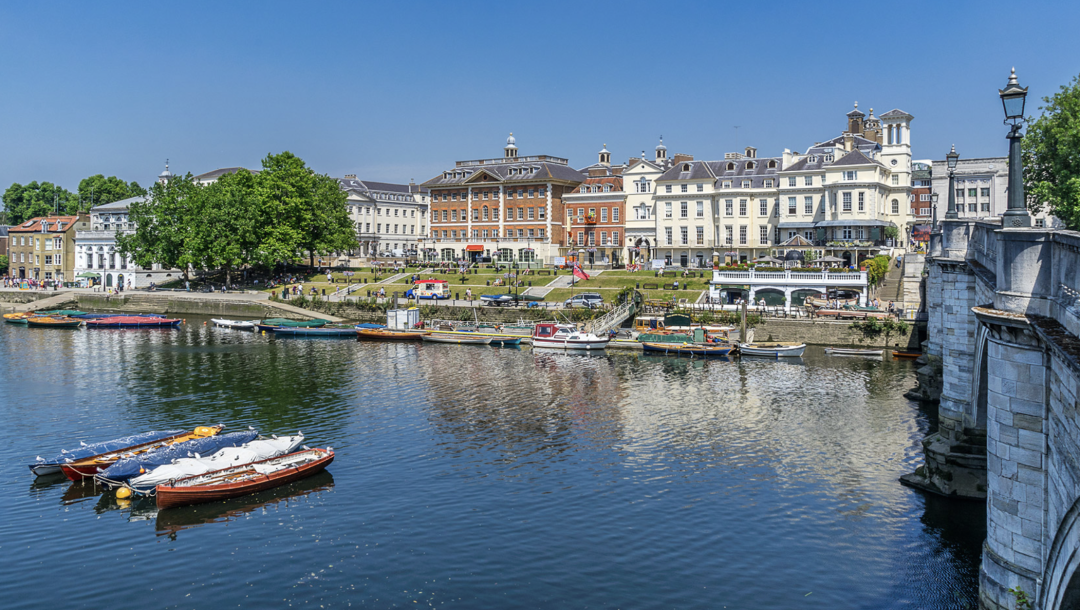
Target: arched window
{"type": "Point", "coordinates": [607, 188]}
{"type": "Point", "coordinates": [730, 166]}
{"type": "Point", "coordinates": [772, 165]}
{"type": "Point", "coordinates": [686, 167]}
{"type": "Point", "coordinates": [895, 206]}
{"type": "Point", "coordinates": [749, 165]}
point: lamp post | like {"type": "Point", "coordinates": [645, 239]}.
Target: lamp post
{"type": "Point", "coordinates": [950, 161]}
{"type": "Point", "coordinates": [1012, 100]}
{"type": "Point", "coordinates": [933, 205]}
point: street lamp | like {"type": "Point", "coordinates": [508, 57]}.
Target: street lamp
{"type": "Point", "coordinates": [933, 204]}
{"type": "Point", "coordinates": [1013, 97]}
{"type": "Point", "coordinates": [950, 161]}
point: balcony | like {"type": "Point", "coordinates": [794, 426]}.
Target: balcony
{"type": "Point", "coordinates": [809, 279]}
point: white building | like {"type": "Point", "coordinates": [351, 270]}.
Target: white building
{"type": "Point", "coordinates": [982, 189]}
{"type": "Point", "coordinates": [639, 182]}
{"type": "Point", "coordinates": [390, 219]}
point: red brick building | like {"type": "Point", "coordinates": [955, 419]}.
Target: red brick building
{"type": "Point", "coordinates": [595, 215]}
{"type": "Point", "coordinates": [507, 209]}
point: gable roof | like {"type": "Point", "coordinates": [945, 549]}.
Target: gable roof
{"type": "Point", "coordinates": [855, 157]}
{"type": "Point", "coordinates": [512, 171]}
{"type": "Point", "coordinates": [896, 113]}
{"type": "Point", "coordinates": [56, 224]}
{"type": "Point", "coordinates": [118, 206]}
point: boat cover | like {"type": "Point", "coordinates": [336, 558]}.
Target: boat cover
{"type": "Point", "coordinates": [109, 446]}
{"type": "Point", "coordinates": [124, 469]}
{"type": "Point", "coordinates": [371, 326]}
{"type": "Point", "coordinates": [226, 458]}
{"type": "Point", "coordinates": [293, 323]}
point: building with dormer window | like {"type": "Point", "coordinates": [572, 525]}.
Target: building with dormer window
{"type": "Point", "coordinates": [43, 248]}
{"type": "Point", "coordinates": [390, 219]}
{"type": "Point", "coordinates": [595, 213]}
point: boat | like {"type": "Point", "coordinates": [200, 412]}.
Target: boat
{"type": "Point", "coordinates": [506, 341]}
{"type": "Point", "coordinates": [272, 323]}
{"type": "Point", "coordinates": [95, 316]}
{"type": "Point", "coordinates": [459, 339]}
{"type": "Point", "coordinates": [53, 322]}
{"type": "Point", "coordinates": [52, 466]}
{"type": "Point", "coordinates": [234, 324]}
{"type": "Point", "coordinates": [133, 322]}
{"type": "Point", "coordinates": [330, 330]}
{"type": "Point", "coordinates": [843, 351]}
{"type": "Point", "coordinates": [18, 317]}
{"type": "Point", "coordinates": [387, 335]}
{"type": "Point", "coordinates": [86, 467]}
{"type": "Point", "coordinates": [130, 467]}
{"type": "Point", "coordinates": [566, 336]}
{"type": "Point", "coordinates": [253, 451]}
{"type": "Point", "coordinates": [772, 350]}
{"type": "Point", "coordinates": [243, 480]}
{"type": "Point", "coordinates": [906, 355]}
{"type": "Point", "coordinates": [688, 349]}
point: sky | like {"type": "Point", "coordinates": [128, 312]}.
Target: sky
{"type": "Point", "coordinates": [399, 91]}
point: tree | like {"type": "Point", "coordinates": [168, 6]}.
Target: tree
{"type": "Point", "coordinates": [164, 225]}
{"type": "Point", "coordinates": [99, 190]}
{"type": "Point", "coordinates": [304, 211]}
{"type": "Point", "coordinates": [37, 199]}
{"type": "Point", "coordinates": [1051, 158]}
{"type": "Point", "coordinates": [231, 224]}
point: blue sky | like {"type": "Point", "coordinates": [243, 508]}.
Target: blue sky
{"type": "Point", "coordinates": [398, 90]}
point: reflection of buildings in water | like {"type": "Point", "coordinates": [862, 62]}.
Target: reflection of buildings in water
{"type": "Point", "coordinates": [171, 521]}
{"type": "Point", "coordinates": [516, 402]}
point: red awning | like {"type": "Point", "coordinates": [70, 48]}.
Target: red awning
{"type": "Point", "coordinates": [474, 248]}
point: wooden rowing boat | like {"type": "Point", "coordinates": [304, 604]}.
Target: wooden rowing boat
{"type": "Point", "coordinates": [506, 341]}
{"type": "Point", "coordinates": [458, 339]}
{"type": "Point", "coordinates": [234, 324]}
{"type": "Point", "coordinates": [87, 468]}
{"type": "Point", "coordinates": [772, 350]}
{"type": "Point", "coordinates": [133, 322]}
{"type": "Point", "coordinates": [906, 355]}
{"type": "Point", "coordinates": [245, 479]}
{"type": "Point", "coordinates": [688, 349]}
{"type": "Point", "coordinates": [843, 351]}
{"type": "Point", "coordinates": [388, 335]}
{"type": "Point", "coordinates": [330, 330]}
{"type": "Point", "coordinates": [53, 322]}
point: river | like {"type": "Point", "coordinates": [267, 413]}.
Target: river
{"type": "Point", "coordinates": [480, 477]}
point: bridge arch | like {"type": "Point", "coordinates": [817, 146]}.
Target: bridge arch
{"type": "Point", "coordinates": [1061, 582]}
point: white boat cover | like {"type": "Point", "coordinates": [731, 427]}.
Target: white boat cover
{"type": "Point", "coordinates": [254, 451]}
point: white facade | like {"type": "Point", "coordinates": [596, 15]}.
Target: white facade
{"type": "Point", "coordinates": [639, 184]}
{"type": "Point", "coordinates": [982, 189]}
{"type": "Point", "coordinates": [390, 219]}
{"type": "Point", "coordinates": [96, 251]}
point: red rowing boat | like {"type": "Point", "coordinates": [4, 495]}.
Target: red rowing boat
{"type": "Point", "coordinates": [87, 468]}
{"type": "Point", "coordinates": [245, 479]}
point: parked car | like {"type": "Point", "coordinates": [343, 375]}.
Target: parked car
{"type": "Point", "coordinates": [497, 299]}
{"type": "Point", "coordinates": [585, 299]}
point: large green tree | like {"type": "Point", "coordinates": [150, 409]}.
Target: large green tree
{"type": "Point", "coordinates": [1051, 155]}
{"type": "Point", "coordinates": [305, 212]}
{"type": "Point", "coordinates": [231, 224]}
{"type": "Point", "coordinates": [23, 202]}
{"type": "Point", "coordinates": [165, 225]}
{"type": "Point", "coordinates": [99, 190]}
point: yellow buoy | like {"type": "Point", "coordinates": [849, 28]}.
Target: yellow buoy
{"type": "Point", "coordinates": [205, 431]}
{"type": "Point", "coordinates": [123, 493]}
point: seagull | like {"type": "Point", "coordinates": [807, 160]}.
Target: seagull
{"type": "Point", "coordinates": [273, 436]}
{"type": "Point", "coordinates": [251, 427]}
{"type": "Point", "coordinates": [63, 451]}
{"type": "Point", "coordinates": [40, 459]}
{"type": "Point", "coordinates": [83, 443]}
{"type": "Point", "coordinates": [306, 448]}
{"type": "Point", "coordinates": [198, 457]}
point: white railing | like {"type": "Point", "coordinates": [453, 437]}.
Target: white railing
{"type": "Point", "coordinates": [752, 276]}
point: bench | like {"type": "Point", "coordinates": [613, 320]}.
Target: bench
{"type": "Point", "coordinates": [650, 286]}
{"type": "Point", "coordinates": [670, 287]}
{"type": "Point", "coordinates": [543, 272]}
{"type": "Point", "coordinates": [670, 273]}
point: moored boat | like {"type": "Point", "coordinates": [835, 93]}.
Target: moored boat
{"type": "Point", "coordinates": [506, 341]}
{"type": "Point", "coordinates": [234, 324]}
{"type": "Point", "coordinates": [772, 350]}
{"type": "Point", "coordinates": [388, 335]}
{"type": "Point", "coordinates": [133, 322]}
{"type": "Point", "coordinates": [87, 467]}
{"type": "Point", "coordinates": [330, 330]}
{"type": "Point", "coordinates": [906, 355]}
{"type": "Point", "coordinates": [245, 479]}
{"type": "Point", "coordinates": [688, 349]}
{"type": "Point", "coordinates": [566, 336]}
{"type": "Point", "coordinates": [17, 317]}
{"type": "Point", "coordinates": [458, 339]}
{"type": "Point", "coordinates": [128, 468]}
{"type": "Point", "coordinates": [844, 351]}
{"type": "Point", "coordinates": [272, 323]}
{"type": "Point", "coordinates": [53, 322]}
{"type": "Point", "coordinates": [52, 466]}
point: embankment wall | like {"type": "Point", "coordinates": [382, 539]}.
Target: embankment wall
{"type": "Point", "coordinates": [821, 332]}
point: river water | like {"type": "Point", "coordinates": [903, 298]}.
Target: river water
{"type": "Point", "coordinates": [479, 477]}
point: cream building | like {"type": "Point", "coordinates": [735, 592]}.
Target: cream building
{"type": "Point", "coordinates": [391, 220]}
{"type": "Point", "coordinates": [639, 183]}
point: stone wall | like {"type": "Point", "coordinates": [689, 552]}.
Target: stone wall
{"type": "Point", "coordinates": [914, 264]}
{"type": "Point", "coordinates": [24, 296]}
{"type": "Point", "coordinates": [822, 332]}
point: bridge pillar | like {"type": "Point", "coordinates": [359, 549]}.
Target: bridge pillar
{"type": "Point", "coordinates": [1016, 397]}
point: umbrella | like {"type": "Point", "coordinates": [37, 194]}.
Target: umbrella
{"type": "Point", "coordinates": [829, 259]}
{"type": "Point", "coordinates": [769, 259]}
{"type": "Point", "coordinates": [89, 274]}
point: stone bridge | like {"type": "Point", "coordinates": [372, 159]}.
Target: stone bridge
{"type": "Point", "coordinates": [1004, 358]}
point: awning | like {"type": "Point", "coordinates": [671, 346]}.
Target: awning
{"type": "Point", "coordinates": [474, 248]}
{"type": "Point", "coordinates": [734, 286]}
{"type": "Point", "coordinates": [89, 274]}
{"type": "Point", "coordinates": [795, 225]}
{"type": "Point", "coordinates": [854, 223]}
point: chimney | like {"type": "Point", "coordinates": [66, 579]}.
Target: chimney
{"type": "Point", "coordinates": [350, 176]}
{"type": "Point", "coordinates": [787, 159]}
{"type": "Point", "coordinates": [681, 158]}
{"type": "Point", "coordinates": [848, 141]}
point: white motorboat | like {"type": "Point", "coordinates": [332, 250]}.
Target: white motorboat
{"type": "Point", "coordinates": [234, 324]}
{"type": "Point", "coordinates": [462, 339]}
{"type": "Point", "coordinates": [773, 350]}
{"type": "Point", "coordinates": [844, 351]}
{"type": "Point", "coordinates": [566, 336]}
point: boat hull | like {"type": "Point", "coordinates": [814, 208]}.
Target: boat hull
{"type": "Point", "coordinates": [687, 350]}
{"type": "Point", "coordinates": [315, 332]}
{"type": "Point", "coordinates": [52, 323]}
{"type": "Point", "coordinates": [840, 351]}
{"type": "Point", "coordinates": [387, 335]}
{"type": "Point", "coordinates": [87, 468]}
{"type": "Point", "coordinates": [570, 344]}
{"type": "Point", "coordinates": [133, 322]}
{"type": "Point", "coordinates": [41, 470]}
{"type": "Point", "coordinates": [169, 496]}
{"type": "Point", "coordinates": [456, 339]}
{"type": "Point", "coordinates": [772, 352]}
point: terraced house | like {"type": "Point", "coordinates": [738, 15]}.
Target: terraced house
{"type": "Point", "coordinates": [508, 209]}
{"type": "Point", "coordinates": [390, 219]}
{"type": "Point", "coordinates": [43, 248]}
{"type": "Point", "coordinates": [595, 213]}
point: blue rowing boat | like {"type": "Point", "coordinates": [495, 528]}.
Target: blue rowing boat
{"type": "Point", "coordinates": [688, 349]}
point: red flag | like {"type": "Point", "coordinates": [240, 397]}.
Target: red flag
{"type": "Point", "coordinates": [579, 273]}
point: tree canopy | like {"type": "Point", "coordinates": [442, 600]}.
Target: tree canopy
{"type": "Point", "coordinates": [278, 215]}
{"type": "Point", "coordinates": [37, 199]}
{"type": "Point", "coordinates": [99, 190]}
{"type": "Point", "coordinates": [1051, 156]}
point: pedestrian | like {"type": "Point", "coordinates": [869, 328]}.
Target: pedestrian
{"type": "Point", "coordinates": [468, 294]}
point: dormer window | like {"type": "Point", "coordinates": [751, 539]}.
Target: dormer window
{"type": "Point", "coordinates": [686, 167]}
{"type": "Point", "coordinates": [828, 158]}
{"type": "Point", "coordinates": [750, 165]}
{"type": "Point", "coordinates": [730, 166]}
{"type": "Point", "coordinates": [771, 165]}
{"type": "Point", "coordinates": [812, 159]}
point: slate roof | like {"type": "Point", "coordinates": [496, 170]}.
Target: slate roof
{"type": "Point", "coordinates": [727, 169]}
{"type": "Point", "coordinates": [855, 157]}
{"type": "Point", "coordinates": [381, 191]}
{"type": "Point", "coordinates": [217, 173]}
{"type": "Point", "coordinates": [512, 171]}
{"type": "Point", "coordinates": [117, 206]}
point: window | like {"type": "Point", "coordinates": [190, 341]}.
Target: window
{"type": "Point", "coordinates": [541, 212]}
{"type": "Point", "coordinates": [746, 184]}
{"type": "Point", "coordinates": [581, 214]}
{"type": "Point", "coordinates": [667, 209]}
{"type": "Point", "coordinates": [520, 213]}
{"type": "Point", "coordinates": [530, 192]}
{"type": "Point", "coordinates": [509, 194]}
{"type": "Point", "coordinates": [667, 235]}
{"type": "Point", "coordinates": [727, 234]}
{"type": "Point", "coordinates": [742, 207]}
{"type": "Point", "coordinates": [985, 191]}
{"type": "Point", "coordinates": [701, 209]}
{"type": "Point", "coordinates": [701, 236]}
{"type": "Point", "coordinates": [444, 215]}
{"type": "Point", "coordinates": [768, 184]}
{"type": "Point", "coordinates": [453, 215]}
{"type": "Point", "coordinates": [895, 206]}
{"type": "Point", "coordinates": [986, 206]}
{"type": "Point", "coordinates": [808, 236]}
{"type": "Point", "coordinates": [792, 206]}
{"type": "Point", "coordinates": [971, 192]}
{"type": "Point", "coordinates": [729, 207]}
{"type": "Point", "coordinates": [614, 214]}
{"type": "Point", "coordinates": [494, 213]}
{"type": "Point", "coordinates": [641, 186]}
{"type": "Point", "coordinates": [742, 235]}
{"type": "Point", "coordinates": [614, 237]}
{"type": "Point", "coordinates": [862, 201]}
{"type": "Point", "coordinates": [972, 206]}
{"type": "Point", "coordinates": [700, 188]}
{"type": "Point", "coordinates": [48, 258]}
{"type": "Point", "coordinates": [846, 234]}
{"type": "Point", "coordinates": [603, 238]}
{"type": "Point", "coordinates": [603, 214]}
{"type": "Point", "coordinates": [808, 181]}
{"type": "Point", "coordinates": [484, 233]}
{"type": "Point", "coordinates": [1040, 222]}
{"type": "Point", "coordinates": [791, 181]}
{"type": "Point", "coordinates": [896, 180]}
{"type": "Point", "coordinates": [521, 193]}
{"type": "Point", "coordinates": [682, 210]}
{"type": "Point", "coordinates": [48, 246]}
{"type": "Point", "coordinates": [581, 238]}
{"type": "Point", "coordinates": [540, 232]}
{"type": "Point", "coordinates": [924, 197]}
{"type": "Point", "coordinates": [851, 175]}
{"type": "Point", "coordinates": [531, 212]}
{"type": "Point", "coordinates": [727, 184]}
{"type": "Point", "coordinates": [959, 193]}
{"type": "Point", "coordinates": [683, 188]}
{"type": "Point", "coordinates": [763, 207]}
{"type": "Point", "coordinates": [763, 236]}
{"type": "Point", "coordinates": [667, 188]}
{"type": "Point", "coordinates": [684, 235]}
{"type": "Point", "coordinates": [847, 202]}
{"type": "Point", "coordinates": [486, 193]}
